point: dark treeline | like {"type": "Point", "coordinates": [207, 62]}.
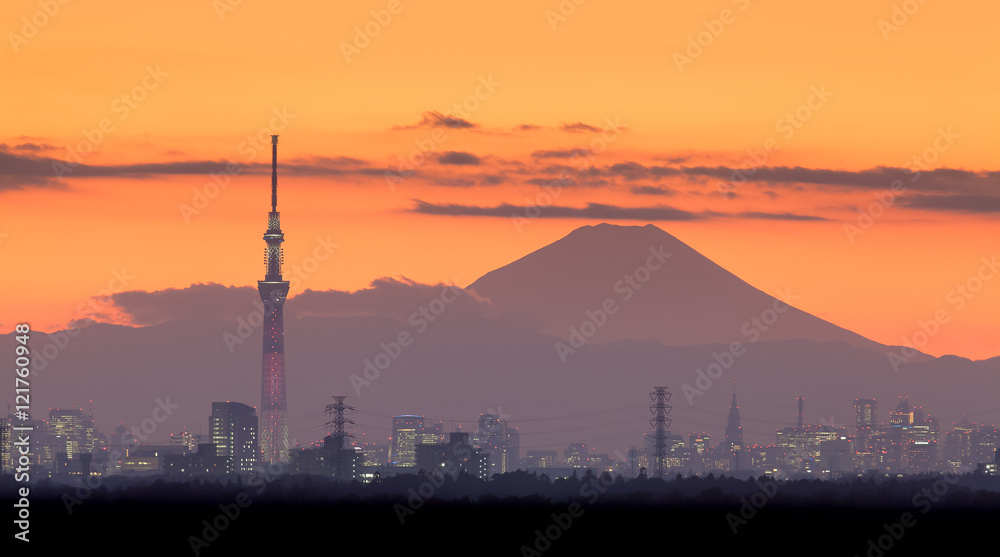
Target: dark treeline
{"type": "Point", "coordinates": [969, 490]}
{"type": "Point", "coordinates": [521, 514]}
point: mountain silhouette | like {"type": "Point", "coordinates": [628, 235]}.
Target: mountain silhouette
{"type": "Point", "coordinates": [685, 299]}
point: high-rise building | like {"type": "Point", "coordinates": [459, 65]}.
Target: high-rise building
{"type": "Point", "coordinates": [497, 438]}
{"type": "Point", "coordinates": [432, 434]}
{"type": "Point", "coordinates": [233, 427]}
{"type": "Point", "coordinates": [273, 291]}
{"type": "Point", "coordinates": [453, 457]}
{"type": "Point", "coordinates": [68, 431]}
{"type": "Point", "coordinates": [957, 447]}
{"type": "Point", "coordinates": [865, 420]}
{"type": "Point", "coordinates": [374, 455]}
{"type": "Point", "coordinates": [406, 430]}
{"type": "Point", "coordinates": [983, 444]}
{"type": "Point", "coordinates": [699, 442]}
{"type": "Point", "coordinates": [576, 455]}
{"type": "Point", "coordinates": [6, 445]}
{"type": "Point", "coordinates": [512, 452]}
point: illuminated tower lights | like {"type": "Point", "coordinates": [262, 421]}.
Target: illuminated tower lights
{"type": "Point", "coordinates": [273, 292]}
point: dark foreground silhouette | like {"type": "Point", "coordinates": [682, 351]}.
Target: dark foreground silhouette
{"type": "Point", "coordinates": [516, 514]}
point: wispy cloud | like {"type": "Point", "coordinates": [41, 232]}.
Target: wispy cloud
{"type": "Point", "coordinates": [20, 171]}
{"type": "Point", "coordinates": [598, 211]}
{"type": "Point", "coordinates": [579, 127]}
{"type": "Point", "coordinates": [958, 203]}
{"type": "Point", "coordinates": [435, 119]}
{"type": "Point", "coordinates": [560, 154]}
{"type": "Point", "coordinates": [653, 190]}
{"type": "Point", "coordinates": [458, 158]}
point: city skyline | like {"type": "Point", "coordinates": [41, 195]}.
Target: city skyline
{"type": "Point", "coordinates": [876, 440]}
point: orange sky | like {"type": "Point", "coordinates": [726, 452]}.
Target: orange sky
{"type": "Point", "coordinates": [197, 85]}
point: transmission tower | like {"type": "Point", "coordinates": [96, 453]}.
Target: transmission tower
{"type": "Point", "coordinates": [337, 420]}
{"type": "Point", "coordinates": [660, 423]}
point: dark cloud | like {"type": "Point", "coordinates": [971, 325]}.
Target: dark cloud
{"type": "Point", "coordinates": [34, 147]}
{"type": "Point", "coordinates": [527, 127]}
{"type": "Point", "coordinates": [560, 154]}
{"type": "Point", "coordinates": [331, 161]}
{"type": "Point", "coordinates": [492, 179]}
{"type": "Point", "coordinates": [653, 190]}
{"type": "Point", "coordinates": [558, 169]}
{"type": "Point", "coordinates": [555, 183]}
{"type": "Point", "coordinates": [386, 296]}
{"type": "Point", "coordinates": [458, 158]}
{"type": "Point", "coordinates": [882, 177]}
{"type": "Point", "coordinates": [673, 160]}
{"type": "Point", "coordinates": [198, 301]}
{"type": "Point", "coordinates": [452, 182]}
{"type": "Point", "coordinates": [633, 170]}
{"type": "Point", "coordinates": [959, 203]}
{"type": "Point", "coordinates": [594, 211]}
{"type": "Point", "coordinates": [19, 171]}
{"type": "Point", "coordinates": [390, 297]}
{"type": "Point", "coordinates": [591, 211]}
{"type": "Point", "coordinates": [775, 216]}
{"type": "Point", "coordinates": [578, 127]}
{"type": "Point", "coordinates": [434, 119]}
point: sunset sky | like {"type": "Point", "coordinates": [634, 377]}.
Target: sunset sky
{"type": "Point", "coordinates": [411, 148]}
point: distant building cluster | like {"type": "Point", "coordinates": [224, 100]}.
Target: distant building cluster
{"type": "Point", "coordinates": [68, 445]}
{"type": "Point", "coordinates": [905, 441]}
